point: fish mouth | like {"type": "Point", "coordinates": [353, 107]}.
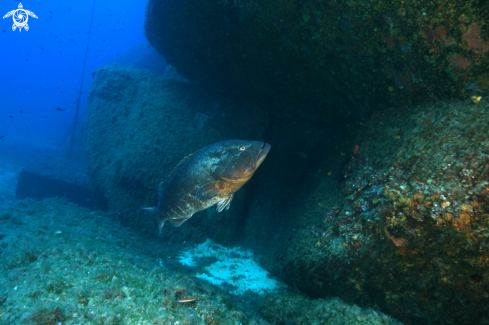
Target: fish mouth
{"type": "Point", "coordinates": [262, 153]}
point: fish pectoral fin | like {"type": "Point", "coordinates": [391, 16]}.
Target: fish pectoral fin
{"type": "Point", "coordinates": [177, 222]}
{"type": "Point", "coordinates": [224, 204]}
{"type": "Point", "coordinates": [209, 190]}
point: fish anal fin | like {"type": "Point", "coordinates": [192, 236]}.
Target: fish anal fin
{"type": "Point", "coordinates": [224, 204]}
{"type": "Point", "coordinates": [177, 222]}
{"type": "Point", "coordinates": [209, 190]}
{"type": "Point", "coordinates": [160, 225]}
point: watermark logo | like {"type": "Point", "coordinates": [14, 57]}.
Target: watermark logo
{"type": "Point", "coordinates": [20, 17]}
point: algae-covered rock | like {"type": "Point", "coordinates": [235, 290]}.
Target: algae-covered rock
{"type": "Point", "coordinates": [408, 229]}
{"type": "Point", "coordinates": [63, 264]}
{"type": "Point", "coordinates": [333, 60]}
{"type": "Point", "coordinates": [140, 126]}
{"type": "Point", "coordinates": [289, 308]}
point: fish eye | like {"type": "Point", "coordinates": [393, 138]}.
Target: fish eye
{"type": "Point", "coordinates": [242, 148]}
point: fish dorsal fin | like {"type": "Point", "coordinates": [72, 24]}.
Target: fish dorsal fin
{"type": "Point", "coordinates": [224, 204]}
{"type": "Point", "coordinates": [209, 190]}
{"type": "Point", "coordinates": [183, 161]}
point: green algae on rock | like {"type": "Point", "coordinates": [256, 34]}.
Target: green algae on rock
{"type": "Point", "coordinates": [336, 60]}
{"type": "Point", "coordinates": [60, 263]}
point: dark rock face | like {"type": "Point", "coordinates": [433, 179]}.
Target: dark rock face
{"type": "Point", "coordinates": [333, 60]}
{"type": "Point", "coordinates": [398, 218]}
{"type": "Point", "coordinates": [49, 176]}
{"type": "Point", "coordinates": [140, 126]}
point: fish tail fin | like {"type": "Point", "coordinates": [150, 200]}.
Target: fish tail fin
{"type": "Point", "coordinates": [159, 222]}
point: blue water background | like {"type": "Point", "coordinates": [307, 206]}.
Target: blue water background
{"type": "Point", "coordinates": [41, 68]}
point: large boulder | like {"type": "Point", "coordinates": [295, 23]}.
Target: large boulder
{"type": "Point", "coordinates": [140, 126]}
{"type": "Point", "coordinates": [51, 176]}
{"type": "Point", "coordinates": [333, 60]}
{"type": "Point", "coordinates": [397, 216]}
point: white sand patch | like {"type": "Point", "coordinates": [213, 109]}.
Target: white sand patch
{"type": "Point", "coordinates": [233, 267]}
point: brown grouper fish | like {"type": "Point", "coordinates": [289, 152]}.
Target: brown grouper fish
{"type": "Point", "coordinates": [208, 176]}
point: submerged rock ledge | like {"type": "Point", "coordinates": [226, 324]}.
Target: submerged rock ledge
{"type": "Point", "coordinates": [332, 60]}
{"type": "Point", "coordinates": [411, 231]}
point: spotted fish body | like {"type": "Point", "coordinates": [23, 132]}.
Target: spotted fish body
{"type": "Point", "coordinates": [207, 177]}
